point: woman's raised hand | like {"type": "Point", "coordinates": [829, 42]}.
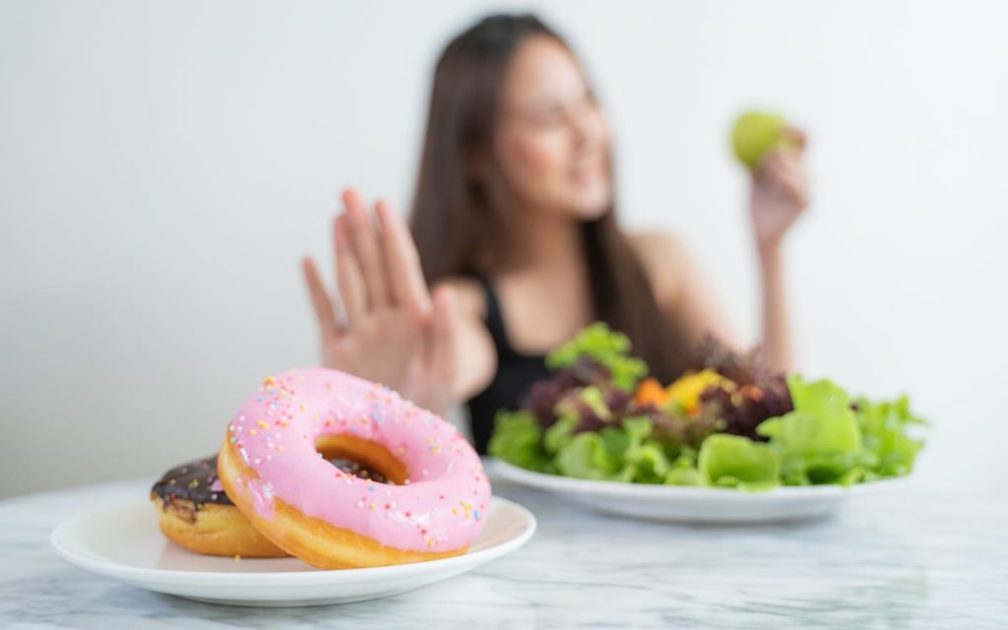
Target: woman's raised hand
{"type": "Point", "coordinates": [780, 192]}
{"type": "Point", "coordinates": [382, 323]}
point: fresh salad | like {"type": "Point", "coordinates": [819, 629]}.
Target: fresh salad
{"type": "Point", "coordinates": [725, 423]}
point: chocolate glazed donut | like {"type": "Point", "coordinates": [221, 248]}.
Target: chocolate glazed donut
{"type": "Point", "coordinates": [196, 513]}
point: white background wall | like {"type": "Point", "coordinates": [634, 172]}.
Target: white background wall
{"type": "Point", "coordinates": [163, 166]}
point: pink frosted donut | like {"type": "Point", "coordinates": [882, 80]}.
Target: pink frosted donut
{"type": "Point", "coordinates": [273, 466]}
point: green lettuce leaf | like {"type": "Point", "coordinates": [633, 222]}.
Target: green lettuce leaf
{"type": "Point", "coordinates": [616, 453]}
{"type": "Point", "coordinates": [889, 450]}
{"type": "Point", "coordinates": [517, 439]}
{"type": "Point", "coordinates": [560, 434]}
{"type": "Point", "coordinates": [610, 348]}
{"type": "Point", "coordinates": [649, 463]}
{"type": "Point", "coordinates": [735, 461]}
{"type": "Point", "coordinates": [684, 477]}
{"type": "Point", "coordinates": [644, 459]}
{"type": "Point", "coordinates": [820, 441]}
{"type": "Point", "coordinates": [587, 457]}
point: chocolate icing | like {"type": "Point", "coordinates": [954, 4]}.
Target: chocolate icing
{"type": "Point", "coordinates": [197, 481]}
{"type": "Point", "coordinates": [194, 481]}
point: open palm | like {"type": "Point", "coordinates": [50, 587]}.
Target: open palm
{"type": "Point", "coordinates": [392, 330]}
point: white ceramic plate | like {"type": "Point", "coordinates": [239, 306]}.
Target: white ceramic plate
{"type": "Point", "coordinates": [124, 543]}
{"type": "Point", "coordinates": [692, 504]}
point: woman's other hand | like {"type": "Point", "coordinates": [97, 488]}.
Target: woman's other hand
{"type": "Point", "coordinates": [780, 192]}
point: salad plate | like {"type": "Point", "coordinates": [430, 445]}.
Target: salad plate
{"type": "Point", "coordinates": [692, 504]}
{"type": "Point", "coordinates": [724, 441]}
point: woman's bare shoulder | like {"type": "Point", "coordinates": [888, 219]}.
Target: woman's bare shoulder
{"type": "Point", "coordinates": [663, 256]}
{"type": "Point", "coordinates": [656, 243]}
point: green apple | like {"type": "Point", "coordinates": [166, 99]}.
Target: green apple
{"type": "Point", "coordinates": [757, 133]}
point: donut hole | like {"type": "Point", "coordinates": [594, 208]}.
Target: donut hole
{"type": "Point", "coordinates": [367, 453]}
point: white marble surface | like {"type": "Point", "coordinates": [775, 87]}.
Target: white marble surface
{"type": "Point", "coordinates": [919, 558]}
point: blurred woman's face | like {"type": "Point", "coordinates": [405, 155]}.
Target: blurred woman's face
{"type": "Point", "coordinates": [552, 141]}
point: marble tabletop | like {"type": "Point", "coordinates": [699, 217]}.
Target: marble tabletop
{"type": "Point", "coordinates": [918, 558]}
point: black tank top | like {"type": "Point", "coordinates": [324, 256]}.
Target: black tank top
{"type": "Point", "coordinates": [515, 375]}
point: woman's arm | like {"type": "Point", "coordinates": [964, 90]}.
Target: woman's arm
{"type": "Point", "coordinates": [475, 355]}
{"type": "Point", "coordinates": [779, 195]}
{"type": "Point", "coordinates": [775, 344]}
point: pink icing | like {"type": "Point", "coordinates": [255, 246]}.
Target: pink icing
{"type": "Point", "coordinates": [442, 507]}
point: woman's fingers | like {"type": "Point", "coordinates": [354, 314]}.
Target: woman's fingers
{"type": "Point", "coordinates": [367, 248]}
{"type": "Point", "coordinates": [405, 274]}
{"type": "Point", "coordinates": [782, 172]}
{"type": "Point", "coordinates": [348, 274]}
{"type": "Point", "coordinates": [443, 355]}
{"type": "Point", "coordinates": [328, 328]}
{"type": "Point", "coordinates": [767, 175]}
{"type": "Point", "coordinates": [798, 138]}
{"type": "Point", "coordinates": [790, 175]}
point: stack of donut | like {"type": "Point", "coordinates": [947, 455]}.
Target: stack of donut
{"type": "Point", "coordinates": [332, 469]}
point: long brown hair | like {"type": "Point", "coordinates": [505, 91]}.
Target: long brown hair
{"type": "Point", "coordinates": [460, 230]}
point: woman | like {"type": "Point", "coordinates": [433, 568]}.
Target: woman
{"type": "Point", "coordinates": [513, 227]}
